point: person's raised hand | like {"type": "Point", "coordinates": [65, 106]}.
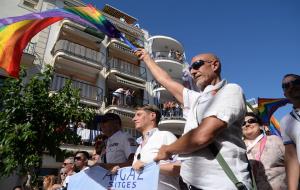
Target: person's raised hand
{"type": "Point", "coordinates": [142, 54]}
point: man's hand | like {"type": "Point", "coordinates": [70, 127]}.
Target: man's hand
{"type": "Point", "coordinates": [114, 170]}
{"type": "Point", "coordinates": [163, 154]}
{"type": "Point", "coordinates": [138, 165]}
{"type": "Point", "coordinates": [142, 54]}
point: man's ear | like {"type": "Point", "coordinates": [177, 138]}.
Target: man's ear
{"type": "Point", "coordinates": [215, 65]}
{"type": "Point", "coordinates": [153, 115]}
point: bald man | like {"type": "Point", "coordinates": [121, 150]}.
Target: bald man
{"type": "Point", "coordinates": [215, 116]}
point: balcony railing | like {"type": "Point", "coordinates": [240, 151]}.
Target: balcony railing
{"type": "Point", "coordinates": [30, 48]}
{"type": "Point", "coordinates": [127, 68]}
{"type": "Point", "coordinates": [87, 91]}
{"type": "Point", "coordinates": [79, 51]}
{"type": "Point", "coordinates": [170, 110]}
{"type": "Point", "coordinates": [125, 101]}
{"type": "Point", "coordinates": [156, 85]}
{"type": "Point", "coordinates": [168, 55]}
{"type": "Point", "coordinates": [123, 48]}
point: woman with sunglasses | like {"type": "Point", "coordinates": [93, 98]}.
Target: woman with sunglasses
{"type": "Point", "coordinates": [265, 153]}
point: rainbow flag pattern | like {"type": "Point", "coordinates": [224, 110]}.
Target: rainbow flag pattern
{"type": "Point", "coordinates": [274, 126]}
{"type": "Point", "coordinates": [16, 32]}
{"type": "Point", "coordinates": [267, 106]}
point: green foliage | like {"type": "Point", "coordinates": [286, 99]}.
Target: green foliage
{"type": "Point", "coordinates": [34, 120]}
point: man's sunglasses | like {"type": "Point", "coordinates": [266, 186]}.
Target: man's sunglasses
{"type": "Point", "coordinates": [289, 84]}
{"type": "Point", "coordinates": [250, 121]}
{"type": "Point", "coordinates": [77, 158]}
{"type": "Point", "coordinates": [196, 65]}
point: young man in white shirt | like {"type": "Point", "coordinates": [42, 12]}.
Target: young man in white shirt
{"type": "Point", "coordinates": [146, 121]}
{"type": "Point", "coordinates": [215, 116]}
{"type": "Point", "coordinates": [290, 130]}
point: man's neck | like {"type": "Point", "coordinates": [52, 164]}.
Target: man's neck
{"type": "Point", "coordinates": [147, 130]}
{"type": "Point", "coordinates": [213, 82]}
{"type": "Point", "coordinates": [216, 80]}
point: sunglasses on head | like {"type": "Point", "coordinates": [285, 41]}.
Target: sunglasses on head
{"type": "Point", "coordinates": [250, 121]}
{"type": "Point", "coordinates": [66, 164]}
{"type": "Point", "coordinates": [289, 84]}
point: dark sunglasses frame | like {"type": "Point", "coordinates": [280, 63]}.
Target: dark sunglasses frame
{"type": "Point", "coordinates": [196, 65]}
{"type": "Point", "coordinates": [77, 158]}
{"type": "Point", "coordinates": [290, 84]}
{"type": "Point", "coordinates": [250, 121]}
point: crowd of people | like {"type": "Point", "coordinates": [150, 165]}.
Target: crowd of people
{"type": "Point", "coordinates": [222, 146]}
{"type": "Point", "coordinates": [171, 109]}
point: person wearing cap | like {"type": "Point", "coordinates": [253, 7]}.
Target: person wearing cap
{"type": "Point", "coordinates": [215, 116]}
{"type": "Point", "coordinates": [146, 121]}
{"type": "Point", "coordinates": [290, 130]}
{"type": "Point", "coordinates": [120, 146]}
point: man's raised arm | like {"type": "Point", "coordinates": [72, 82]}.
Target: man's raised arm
{"type": "Point", "coordinates": [161, 75]}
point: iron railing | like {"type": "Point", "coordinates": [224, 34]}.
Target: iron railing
{"type": "Point", "coordinates": [87, 91]}
{"type": "Point", "coordinates": [128, 68]}
{"type": "Point", "coordinates": [79, 51]}
{"type": "Point", "coordinates": [125, 101]}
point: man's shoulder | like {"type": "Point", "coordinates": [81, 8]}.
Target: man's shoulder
{"type": "Point", "coordinates": [124, 136]}
{"type": "Point", "coordinates": [285, 120]}
{"type": "Point", "coordinates": [164, 133]}
{"type": "Point", "coordinates": [233, 86]}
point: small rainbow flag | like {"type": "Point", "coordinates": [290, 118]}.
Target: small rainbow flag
{"type": "Point", "coordinates": [274, 126]}
{"type": "Point", "coordinates": [16, 32]}
{"type": "Point", "coordinates": [267, 106]}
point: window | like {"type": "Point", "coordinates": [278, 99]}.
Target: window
{"type": "Point", "coordinates": [31, 3]}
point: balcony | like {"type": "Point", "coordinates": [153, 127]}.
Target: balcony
{"type": "Point", "coordinates": [161, 92]}
{"type": "Point", "coordinates": [126, 69]}
{"type": "Point", "coordinates": [90, 94]}
{"type": "Point", "coordinates": [79, 31]}
{"type": "Point", "coordinates": [125, 27]}
{"type": "Point", "coordinates": [124, 106]}
{"type": "Point", "coordinates": [77, 59]}
{"type": "Point", "coordinates": [169, 55]}
{"type": "Point", "coordinates": [120, 50]}
{"type": "Point", "coordinates": [124, 102]}
{"type": "Point", "coordinates": [171, 117]}
{"type": "Point", "coordinates": [29, 54]}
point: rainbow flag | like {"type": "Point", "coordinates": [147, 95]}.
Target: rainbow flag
{"type": "Point", "coordinates": [95, 17]}
{"type": "Point", "coordinates": [16, 32]}
{"type": "Point", "coordinates": [267, 106]}
{"type": "Point", "coordinates": [274, 126]}
{"type": "Point", "coordinates": [13, 40]}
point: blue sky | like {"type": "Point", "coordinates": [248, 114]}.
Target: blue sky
{"type": "Point", "coordinates": [258, 41]}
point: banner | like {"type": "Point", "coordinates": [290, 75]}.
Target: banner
{"type": "Point", "coordinates": [126, 178]}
